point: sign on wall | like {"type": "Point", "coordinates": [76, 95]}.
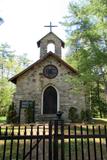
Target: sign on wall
{"type": "Point", "coordinates": [25, 104]}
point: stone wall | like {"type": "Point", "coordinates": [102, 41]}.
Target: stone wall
{"type": "Point", "coordinates": [50, 38]}
{"type": "Point", "coordinates": [30, 86]}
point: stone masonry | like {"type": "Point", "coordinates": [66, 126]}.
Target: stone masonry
{"type": "Point", "coordinates": [50, 38]}
{"type": "Point", "coordinates": [31, 83]}
{"type": "Point", "coordinates": [30, 86]}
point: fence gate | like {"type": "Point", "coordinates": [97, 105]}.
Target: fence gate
{"type": "Point", "coordinates": [55, 140]}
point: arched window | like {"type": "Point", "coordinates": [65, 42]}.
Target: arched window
{"type": "Point", "coordinates": [51, 47]}
{"type": "Point", "coordinates": [50, 101]}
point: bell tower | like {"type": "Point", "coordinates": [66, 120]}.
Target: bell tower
{"type": "Point", "coordinates": [50, 38]}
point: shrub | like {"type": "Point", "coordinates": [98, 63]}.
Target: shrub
{"type": "Point", "coordinates": [83, 115]}
{"type": "Point", "coordinates": [11, 114]}
{"type": "Point", "coordinates": [86, 115]}
{"type": "Point", "coordinates": [73, 115]}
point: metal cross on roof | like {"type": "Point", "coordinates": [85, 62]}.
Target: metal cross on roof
{"type": "Point", "coordinates": [50, 26]}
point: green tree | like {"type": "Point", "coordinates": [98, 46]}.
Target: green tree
{"type": "Point", "coordinates": [5, 55]}
{"type": "Point", "coordinates": [10, 64]}
{"type": "Point", "coordinates": [6, 93]}
{"type": "Point", "coordinates": [87, 39]}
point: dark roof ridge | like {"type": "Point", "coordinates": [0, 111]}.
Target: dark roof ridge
{"type": "Point", "coordinates": [38, 42]}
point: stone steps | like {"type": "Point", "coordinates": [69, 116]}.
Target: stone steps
{"type": "Point", "coordinates": [46, 117]}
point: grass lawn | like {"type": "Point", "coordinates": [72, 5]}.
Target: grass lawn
{"type": "Point", "coordinates": [100, 144]}
{"type": "Point", "coordinates": [82, 149]}
{"type": "Point", "coordinates": [14, 150]}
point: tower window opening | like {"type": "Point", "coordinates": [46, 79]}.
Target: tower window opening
{"type": "Point", "coordinates": [51, 47]}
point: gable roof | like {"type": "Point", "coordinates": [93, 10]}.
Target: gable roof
{"type": "Point", "coordinates": [50, 54]}
{"type": "Point", "coordinates": [62, 43]}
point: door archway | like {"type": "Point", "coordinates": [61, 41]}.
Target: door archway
{"type": "Point", "coordinates": [50, 101]}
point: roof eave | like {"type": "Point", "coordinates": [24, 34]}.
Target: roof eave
{"type": "Point", "coordinates": [62, 43]}
{"type": "Point", "coordinates": [14, 79]}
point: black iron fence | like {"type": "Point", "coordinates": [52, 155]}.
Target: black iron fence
{"type": "Point", "coordinates": [53, 141]}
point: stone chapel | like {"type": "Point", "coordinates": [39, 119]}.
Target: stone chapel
{"type": "Point", "coordinates": [44, 86]}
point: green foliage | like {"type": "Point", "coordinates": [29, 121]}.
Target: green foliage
{"type": "Point", "coordinates": [11, 115]}
{"type": "Point", "coordinates": [10, 64]}
{"type": "Point", "coordinates": [87, 39]}
{"type": "Point", "coordinates": [98, 103]}
{"type": "Point", "coordinates": [103, 109]}
{"type": "Point", "coordinates": [86, 115]}
{"type": "Point", "coordinates": [3, 119]}
{"type": "Point", "coordinates": [73, 115]}
{"type": "Point", "coordinates": [6, 91]}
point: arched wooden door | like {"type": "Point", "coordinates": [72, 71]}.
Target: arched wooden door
{"type": "Point", "coordinates": [50, 101]}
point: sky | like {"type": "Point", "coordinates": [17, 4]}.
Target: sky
{"type": "Point", "coordinates": [24, 22]}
